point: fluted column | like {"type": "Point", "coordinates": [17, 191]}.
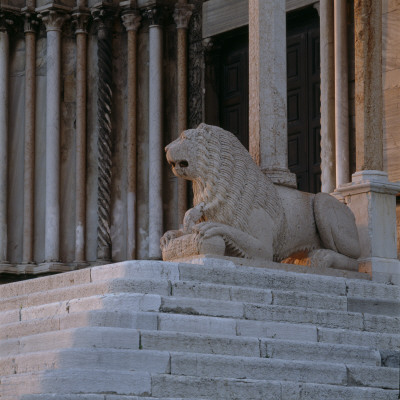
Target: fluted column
{"type": "Point", "coordinates": [104, 103]}
{"type": "Point", "coordinates": [341, 94]}
{"type": "Point", "coordinates": [182, 15]}
{"type": "Point", "coordinates": [29, 144]}
{"type": "Point", "coordinates": [4, 55]}
{"type": "Point", "coordinates": [53, 20]}
{"type": "Point", "coordinates": [155, 130]}
{"type": "Point", "coordinates": [80, 19]}
{"type": "Point", "coordinates": [131, 20]}
{"type": "Point", "coordinates": [328, 161]}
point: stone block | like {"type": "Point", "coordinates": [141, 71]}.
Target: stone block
{"type": "Point", "coordinates": [333, 319]}
{"type": "Point", "coordinates": [325, 352]}
{"type": "Point", "coordinates": [257, 368]}
{"type": "Point", "coordinates": [384, 377]}
{"type": "Point", "coordinates": [374, 306]}
{"type": "Point", "coordinates": [202, 307]}
{"type": "Point", "coordinates": [275, 330]}
{"type": "Point", "coordinates": [199, 343]}
{"type": "Point", "coordinates": [136, 269]}
{"type": "Point", "coordinates": [197, 289]}
{"type": "Point", "coordinates": [198, 324]}
{"type": "Point", "coordinates": [214, 388]}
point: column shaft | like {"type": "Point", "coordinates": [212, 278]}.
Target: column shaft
{"type": "Point", "coordinates": [368, 84]}
{"type": "Point", "coordinates": [53, 92]}
{"type": "Point", "coordinates": [155, 140]}
{"type": "Point", "coordinates": [268, 89]}
{"type": "Point", "coordinates": [81, 68]}
{"type": "Point", "coordinates": [4, 54]}
{"type": "Point", "coordinates": [131, 143]}
{"type": "Point", "coordinates": [29, 149]}
{"type": "Point", "coordinates": [328, 172]}
{"type": "Point", "coordinates": [182, 111]}
{"type": "Point", "coordinates": [341, 94]}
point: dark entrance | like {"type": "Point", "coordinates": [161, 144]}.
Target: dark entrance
{"type": "Point", "coordinates": [227, 89]}
{"type": "Point", "coordinates": [303, 102]}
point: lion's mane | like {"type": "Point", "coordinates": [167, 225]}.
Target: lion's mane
{"type": "Point", "coordinates": [231, 184]}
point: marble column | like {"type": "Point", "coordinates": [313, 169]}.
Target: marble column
{"type": "Point", "coordinates": [80, 19]}
{"type": "Point", "coordinates": [53, 20]}
{"type": "Point", "coordinates": [328, 170]}
{"type": "Point", "coordinates": [368, 84]}
{"type": "Point", "coordinates": [370, 195]}
{"type": "Point", "coordinates": [131, 19]}
{"type": "Point", "coordinates": [155, 130]}
{"type": "Point", "coordinates": [341, 94]}
{"type": "Point", "coordinates": [103, 17]}
{"type": "Point", "coordinates": [4, 59]}
{"type": "Point", "coordinates": [30, 27]}
{"type": "Point", "coordinates": [182, 16]}
{"type": "Point", "coordinates": [268, 89]}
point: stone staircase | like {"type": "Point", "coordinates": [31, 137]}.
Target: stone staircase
{"type": "Point", "coordinates": [147, 329]}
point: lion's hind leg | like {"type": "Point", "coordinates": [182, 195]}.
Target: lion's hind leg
{"type": "Point", "coordinates": [325, 258]}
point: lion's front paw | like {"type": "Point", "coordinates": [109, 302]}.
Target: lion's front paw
{"type": "Point", "coordinates": [168, 236]}
{"type": "Point", "coordinates": [209, 229]}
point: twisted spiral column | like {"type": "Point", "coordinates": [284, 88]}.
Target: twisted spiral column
{"type": "Point", "coordinates": [104, 141]}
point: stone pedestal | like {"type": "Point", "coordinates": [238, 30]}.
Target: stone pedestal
{"type": "Point", "coordinates": [372, 198]}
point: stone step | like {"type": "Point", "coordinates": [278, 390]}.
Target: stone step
{"type": "Point", "coordinates": [203, 365]}
{"type": "Point", "coordinates": [203, 325]}
{"type": "Point", "coordinates": [254, 347]}
{"type": "Point", "coordinates": [178, 289]}
{"type": "Point", "coordinates": [52, 396]}
{"type": "Point", "coordinates": [225, 273]}
{"type": "Point", "coordinates": [207, 307]}
{"type": "Point", "coordinates": [80, 384]}
{"type": "Point", "coordinates": [131, 339]}
{"type": "Point", "coordinates": [227, 388]}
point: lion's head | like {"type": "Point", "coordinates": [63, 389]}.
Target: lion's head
{"type": "Point", "coordinates": [225, 177]}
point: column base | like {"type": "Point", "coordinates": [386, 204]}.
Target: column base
{"type": "Point", "coordinates": [382, 270]}
{"type": "Point", "coordinates": [281, 176]}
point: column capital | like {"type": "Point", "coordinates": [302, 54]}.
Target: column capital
{"type": "Point", "coordinates": [155, 15]}
{"type": "Point", "coordinates": [53, 17]}
{"type": "Point", "coordinates": [8, 18]}
{"type": "Point", "coordinates": [131, 19]}
{"type": "Point", "coordinates": [103, 15]}
{"type": "Point", "coordinates": [31, 22]}
{"type": "Point", "coordinates": [80, 19]}
{"type": "Point", "coordinates": [182, 14]}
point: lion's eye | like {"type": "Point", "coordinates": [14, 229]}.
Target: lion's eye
{"type": "Point", "coordinates": [183, 164]}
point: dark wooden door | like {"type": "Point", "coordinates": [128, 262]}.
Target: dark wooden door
{"type": "Point", "coordinates": [303, 101]}
{"type": "Point", "coordinates": [234, 91]}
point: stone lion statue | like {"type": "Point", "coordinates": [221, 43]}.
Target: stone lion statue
{"type": "Point", "coordinates": [238, 211]}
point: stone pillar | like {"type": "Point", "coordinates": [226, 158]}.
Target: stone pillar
{"type": "Point", "coordinates": [4, 55]}
{"type": "Point", "coordinates": [268, 89]}
{"type": "Point", "coordinates": [103, 18]}
{"type": "Point", "coordinates": [368, 84]}
{"type": "Point", "coordinates": [80, 19]}
{"type": "Point", "coordinates": [370, 195]}
{"type": "Point", "coordinates": [341, 94]}
{"type": "Point", "coordinates": [328, 172]}
{"type": "Point", "coordinates": [29, 144]}
{"type": "Point", "coordinates": [182, 16]}
{"type": "Point", "coordinates": [131, 20]}
{"type": "Point", "coordinates": [53, 18]}
{"type": "Point", "coordinates": [155, 130]}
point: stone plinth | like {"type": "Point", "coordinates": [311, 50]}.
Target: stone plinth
{"type": "Point", "coordinates": [372, 198]}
